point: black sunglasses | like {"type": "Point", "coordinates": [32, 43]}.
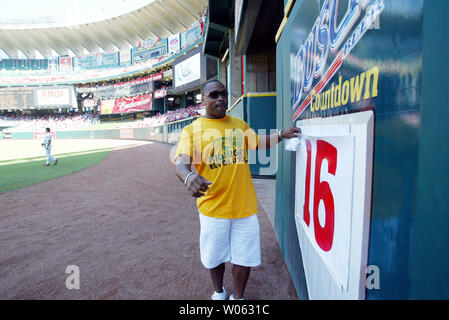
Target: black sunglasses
{"type": "Point", "coordinates": [215, 94]}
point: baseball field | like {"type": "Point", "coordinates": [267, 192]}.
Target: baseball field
{"type": "Point", "coordinates": [115, 210]}
{"type": "Point", "coordinates": [21, 160]}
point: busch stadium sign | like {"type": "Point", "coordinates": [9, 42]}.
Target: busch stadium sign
{"type": "Point", "coordinates": [329, 38]}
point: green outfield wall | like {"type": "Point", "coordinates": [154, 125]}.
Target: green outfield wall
{"type": "Point", "coordinates": [258, 109]}
{"type": "Point", "coordinates": [340, 62]}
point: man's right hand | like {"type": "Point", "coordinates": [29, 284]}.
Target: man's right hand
{"type": "Point", "coordinates": [197, 185]}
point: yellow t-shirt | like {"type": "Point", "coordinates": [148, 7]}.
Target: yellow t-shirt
{"type": "Point", "coordinates": [218, 148]}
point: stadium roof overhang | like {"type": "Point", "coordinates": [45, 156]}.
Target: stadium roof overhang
{"type": "Point", "coordinates": [160, 18]}
{"type": "Point", "coordinates": [218, 23]}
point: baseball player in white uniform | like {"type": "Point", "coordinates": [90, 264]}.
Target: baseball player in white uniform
{"type": "Point", "coordinates": [47, 145]}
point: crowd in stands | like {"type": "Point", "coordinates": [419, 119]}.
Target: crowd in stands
{"type": "Point", "coordinates": [75, 76]}
{"type": "Point", "coordinates": [119, 88]}
{"type": "Point", "coordinates": [119, 82]}
{"type": "Point", "coordinates": [33, 123]}
{"type": "Point", "coordinates": [169, 116]}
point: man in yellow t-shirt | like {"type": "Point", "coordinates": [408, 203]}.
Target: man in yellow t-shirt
{"type": "Point", "coordinates": [217, 145]}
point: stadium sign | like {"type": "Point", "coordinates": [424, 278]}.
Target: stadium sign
{"type": "Point", "coordinates": [160, 94]}
{"type": "Point", "coordinates": [174, 44]}
{"type": "Point", "coordinates": [126, 105]}
{"type": "Point", "coordinates": [188, 70]}
{"type": "Point", "coordinates": [16, 98]}
{"type": "Point", "coordinates": [327, 37]}
{"type": "Point", "coordinates": [133, 104]}
{"type": "Point", "coordinates": [55, 97]}
{"type": "Point", "coordinates": [333, 201]}
{"type": "Point", "coordinates": [149, 49]}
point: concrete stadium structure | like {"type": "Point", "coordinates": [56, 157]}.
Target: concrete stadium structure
{"type": "Point", "coordinates": [156, 19]}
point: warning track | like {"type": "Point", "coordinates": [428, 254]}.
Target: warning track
{"type": "Point", "coordinates": [129, 226]}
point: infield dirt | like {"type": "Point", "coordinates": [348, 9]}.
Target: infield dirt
{"type": "Point", "coordinates": [130, 227]}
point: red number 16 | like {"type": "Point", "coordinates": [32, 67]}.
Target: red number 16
{"type": "Point", "coordinates": [324, 236]}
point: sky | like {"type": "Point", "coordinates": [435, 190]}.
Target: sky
{"type": "Point", "coordinates": [64, 12]}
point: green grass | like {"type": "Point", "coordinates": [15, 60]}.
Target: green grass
{"type": "Point", "coordinates": [57, 155]}
{"type": "Point", "coordinates": [18, 175]}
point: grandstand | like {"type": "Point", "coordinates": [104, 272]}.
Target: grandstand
{"type": "Point", "coordinates": [117, 69]}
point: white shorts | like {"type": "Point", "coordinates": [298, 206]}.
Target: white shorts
{"type": "Point", "coordinates": [234, 240]}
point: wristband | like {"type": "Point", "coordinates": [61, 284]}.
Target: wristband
{"type": "Point", "coordinates": [280, 134]}
{"type": "Point", "coordinates": [187, 177]}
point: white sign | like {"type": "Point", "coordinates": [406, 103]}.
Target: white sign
{"type": "Point", "coordinates": [174, 44]}
{"type": "Point", "coordinates": [53, 97]}
{"type": "Point", "coordinates": [125, 57]}
{"type": "Point", "coordinates": [160, 94]}
{"type": "Point", "coordinates": [167, 73]}
{"type": "Point", "coordinates": [89, 103]}
{"type": "Point", "coordinates": [332, 203]}
{"type": "Point", "coordinates": [188, 70]}
{"type": "Point", "coordinates": [324, 199]}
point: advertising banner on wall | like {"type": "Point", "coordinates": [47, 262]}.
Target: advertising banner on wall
{"type": "Point", "coordinates": [174, 44]}
{"type": "Point", "coordinates": [134, 104]}
{"type": "Point", "coordinates": [23, 64]}
{"type": "Point", "coordinates": [122, 89]}
{"type": "Point", "coordinates": [189, 36]}
{"type": "Point", "coordinates": [149, 49]}
{"type": "Point", "coordinates": [53, 65]}
{"type": "Point", "coordinates": [61, 96]}
{"type": "Point", "coordinates": [149, 44]}
{"type": "Point", "coordinates": [317, 60]}
{"type": "Point", "coordinates": [160, 94]}
{"type": "Point", "coordinates": [126, 105]}
{"type": "Point", "coordinates": [107, 106]}
{"type": "Point", "coordinates": [125, 57]}
{"type": "Point", "coordinates": [65, 64]}
{"type": "Point", "coordinates": [97, 61]}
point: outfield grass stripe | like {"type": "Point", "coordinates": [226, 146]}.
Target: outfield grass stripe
{"type": "Point", "coordinates": [18, 175]}
{"type": "Point", "coordinates": [56, 155]}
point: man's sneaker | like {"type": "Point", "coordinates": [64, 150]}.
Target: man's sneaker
{"type": "Point", "coordinates": [219, 295]}
{"type": "Point", "coordinates": [56, 161]}
{"type": "Point", "coordinates": [46, 165]}
{"type": "Point", "coordinates": [232, 298]}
